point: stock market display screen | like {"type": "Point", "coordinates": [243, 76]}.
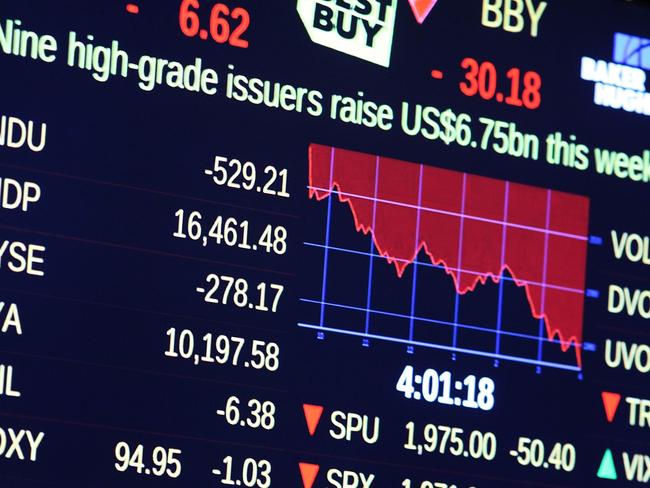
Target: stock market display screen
{"type": "Point", "coordinates": [324, 243]}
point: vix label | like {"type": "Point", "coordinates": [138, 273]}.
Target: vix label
{"type": "Point", "coordinates": [361, 28]}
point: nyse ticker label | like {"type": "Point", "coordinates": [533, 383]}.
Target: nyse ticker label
{"type": "Point", "coordinates": [19, 257]}
{"type": "Point", "coordinates": [360, 28]}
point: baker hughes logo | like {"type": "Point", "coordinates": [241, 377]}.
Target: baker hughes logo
{"type": "Point", "coordinates": [621, 84]}
{"type": "Point", "coordinates": [361, 28]}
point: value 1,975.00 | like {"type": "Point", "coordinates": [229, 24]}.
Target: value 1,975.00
{"type": "Point", "coordinates": [232, 291]}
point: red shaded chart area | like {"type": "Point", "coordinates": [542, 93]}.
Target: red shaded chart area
{"type": "Point", "coordinates": [477, 228]}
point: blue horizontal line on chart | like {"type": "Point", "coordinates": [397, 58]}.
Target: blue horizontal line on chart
{"type": "Point", "coordinates": [408, 342]}
{"type": "Point", "coordinates": [439, 322]}
{"type": "Point", "coordinates": [438, 266]}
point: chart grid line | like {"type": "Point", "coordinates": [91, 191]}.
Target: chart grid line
{"type": "Point", "coordinates": [464, 270]}
{"type": "Point", "coordinates": [478, 230]}
{"type": "Point", "coordinates": [429, 345]}
{"type": "Point", "coordinates": [417, 246]}
{"type": "Point", "coordinates": [544, 274]}
{"type": "Point", "coordinates": [557, 233]}
{"type": "Point", "coordinates": [327, 241]}
{"type": "Point", "coordinates": [504, 236]}
{"type": "Point", "coordinates": [372, 247]}
{"type": "Point", "coordinates": [490, 330]}
{"type": "Point", "coordinates": [460, 258]}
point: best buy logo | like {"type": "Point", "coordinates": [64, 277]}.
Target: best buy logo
{"type": "Point", "coordinates": [361, 28]}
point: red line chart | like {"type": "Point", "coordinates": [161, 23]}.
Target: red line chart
{"type": "Point", "coordinates": [476, 229]}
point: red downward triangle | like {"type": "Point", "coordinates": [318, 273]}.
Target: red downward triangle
{"type": "Point", "coordinates": [421, 8]}
{"type": "Point", "coordinates": [611, 402]}
{"type": "Point", "coordinates": [312, 415]}
{"type": "Point", "coordinates": [308, 473]}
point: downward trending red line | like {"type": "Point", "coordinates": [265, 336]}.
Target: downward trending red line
{"type": "Point", "coordinates": [568, 333]}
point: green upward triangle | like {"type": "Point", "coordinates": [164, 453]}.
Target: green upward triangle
{"type": "Point", "coordinates": [607, 470]}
